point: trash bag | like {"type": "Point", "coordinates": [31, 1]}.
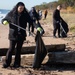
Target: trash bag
{"type": "Point", "coordinates": [40, 51]}
{"type": "Point", "coordinates": [63, 28]}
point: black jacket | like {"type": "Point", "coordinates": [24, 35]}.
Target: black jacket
{"type": "Point", "coordinates": [19, 19]}
{"type": "Point", "coordinates": [56, 17]}
{"type": "Point", "coordinates": [34, 15]}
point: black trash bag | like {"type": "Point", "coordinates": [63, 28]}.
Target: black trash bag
{"type": "Point", "coordinates": [40, 51]}
{"type": "Point", "coordinates": [64, 28]}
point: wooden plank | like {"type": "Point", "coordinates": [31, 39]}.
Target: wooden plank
{"type": "Point", "coordinates": [31, 49]}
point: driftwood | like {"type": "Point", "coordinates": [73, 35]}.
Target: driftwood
{"type": "Point", "coordinates": [66, 57]}
{"type": "Point", "coordinates": [31, 49]}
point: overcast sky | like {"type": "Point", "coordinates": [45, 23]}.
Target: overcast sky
{"type": "Point", "coordinates": [9, 4]}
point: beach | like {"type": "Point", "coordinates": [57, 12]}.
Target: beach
{"type": "Point", "coordinates": [48, 39]}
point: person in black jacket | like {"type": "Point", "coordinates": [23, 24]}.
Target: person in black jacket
{"type": "Point", "coordinates": [35, 17]}
{"type": "Point", "coordinates": [36, 24]}
{"type": "Point", "coordinates": [19, 16]}
{"type": "Point", "coordinates": [56, 21]}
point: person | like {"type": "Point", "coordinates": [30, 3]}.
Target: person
{"type": "Point", "coordinates": [19, 16]}
{"type": "Point", "coordinates": [40, 14]}
{"type": "Point", "coordinates": [35, 17]}
{"type": "Point", "coordinates": [56, 21]}
{"type": "Point", "coordinates": [45, 14]}
{"type": "Point", "coordinates": [36, 24]}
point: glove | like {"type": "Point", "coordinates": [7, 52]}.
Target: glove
{"type": "Point", "coordinates": [39, 29]}
{"type": "Point", "coordinates": [5, 22]}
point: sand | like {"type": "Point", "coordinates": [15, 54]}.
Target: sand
{"type": "Point", "coordinates": [48, 40]}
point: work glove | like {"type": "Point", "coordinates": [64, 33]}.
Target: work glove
{"type": "Point", "coordinates": [39, 29]}
{"type": "Point", "coordinates": [5, 22]}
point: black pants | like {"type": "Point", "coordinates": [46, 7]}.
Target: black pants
{"type": "Point", "coordinates": [32, 28]}
{"type": "Point", "coordinates": [18, 45]}
{"type": "Point", "coordinates": [56, 28]}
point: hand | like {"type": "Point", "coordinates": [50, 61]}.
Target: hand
{"type": "Point", "coordinates": [39, 29]}
{"type": "Point", "coordinates": [5, 22]}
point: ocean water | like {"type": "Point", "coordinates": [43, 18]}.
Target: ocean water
{"type": "Point", "coordinates": [3, 13]}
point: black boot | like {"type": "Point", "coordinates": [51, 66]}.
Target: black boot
{"type": "Point", "coordinates": [5, 65]}
{"type": "Point", "coordinates": [16, 66]}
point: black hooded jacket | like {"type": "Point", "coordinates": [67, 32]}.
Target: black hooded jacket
{"type": "Point", "coordinates": [56, 17]}
{"type": "Point", "coordinates": [18, 19]}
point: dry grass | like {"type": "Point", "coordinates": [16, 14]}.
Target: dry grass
{"type": "Point", "coordinates": [68, 17]}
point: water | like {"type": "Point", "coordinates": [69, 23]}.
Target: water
{"type": "Point", "coordinates": [3, 13]}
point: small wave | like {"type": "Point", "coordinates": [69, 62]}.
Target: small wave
{"type": "Point", "coordinates": [2, 16]}
{"type": "Point", "coordinates": [3, 13]}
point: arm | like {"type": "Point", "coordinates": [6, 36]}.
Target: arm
{"type": "Point", "coordinates": [29, 20]}
{"type": "Point", "coordinates": [7, 18]}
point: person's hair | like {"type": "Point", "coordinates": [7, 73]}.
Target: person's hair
{"type": "Point", "coordinates": [15, 9]}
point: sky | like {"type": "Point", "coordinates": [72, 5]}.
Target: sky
{"type": "Point", "coordinates": [9, 4]}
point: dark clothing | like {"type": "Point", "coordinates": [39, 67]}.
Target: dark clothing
{"type": "Point", "coordinates": [18, 44]}
{"type": "Point", "coordinates": [56, 16]}
{"type": "Point", "coordinates": [35, 17]}
{"type": "Point", "coordinates": [55, 29]}
{"type": "Point", "coordinates": [20, 20]}
{"type": "Point", "coordinates": [32, 28]}
{"type": "Point", "coordinates": [16, 35]}
{"type": "Point", "coordinates": [45, 14]}
{"type": "Point", "coordinates": [56, 22]}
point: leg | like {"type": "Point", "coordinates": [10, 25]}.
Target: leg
{"type": "Point", "coordinates": [18, 53]}
{"type": "Point", "coordinates": [54, 31]}
{"type": "Point", "coordinates": [45, 16]}
{"type": "Point", "coordinates": [9, 54]}
{"type": "Point", "coordinates": [32, 28]}
{"type": "Point", "coordinates": [29, 29]}
{"type": "Point", "coordinates": [33, 25]}
{"type": "Point", "coordinates": [58, 30]}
